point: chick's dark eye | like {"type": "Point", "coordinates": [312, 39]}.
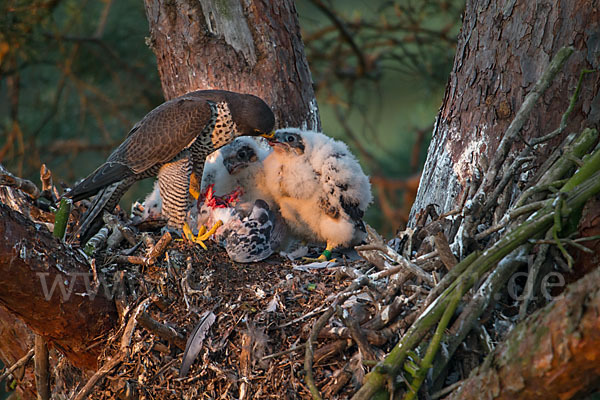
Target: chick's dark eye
{"type": "Point", "coordinates": [242, 155]}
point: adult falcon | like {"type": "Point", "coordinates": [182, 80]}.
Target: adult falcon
{"type": "Point", "coordinates": [171, 142]}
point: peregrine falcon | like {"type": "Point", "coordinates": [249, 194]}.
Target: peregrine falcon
{"type": "Point", "coordinates": [319, 186]}
{"type": "Point", "coordinates": [245, 229]}
{"type": "Point", "coordinates": [171, 142]}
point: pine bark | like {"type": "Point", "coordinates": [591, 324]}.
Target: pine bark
{"type": "Point", "coordinates": [502, 50]}
{"type": "Point", "coordinates": [551, 355]}
{"type": "Point", "coordinates": [243, 46]}
{"type": "Point", "coordinates": [31, 262]}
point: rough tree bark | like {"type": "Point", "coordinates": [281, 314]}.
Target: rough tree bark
{"type": "Point", "coordinates": [32, 261]}
{"type": "Point", "coordinates": [244, 46]}
{"type": "Point", "coordinates": [502, 49]}
{"type": "Point", "coordinates": [551, 356]}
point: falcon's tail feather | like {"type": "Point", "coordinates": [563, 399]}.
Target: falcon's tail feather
{"type": "Point", "coordinates": [105, 200]}
{"type": "Point", "coordinates": [107, 174]}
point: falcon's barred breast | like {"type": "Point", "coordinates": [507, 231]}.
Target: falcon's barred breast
{"type": "Point", "coordinates": [171, 142]}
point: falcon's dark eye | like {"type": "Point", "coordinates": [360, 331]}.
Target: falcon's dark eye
{"type": "Point", "coordinates": [290, 139]}
{"type": "Point", "coordinates": [242, 155]}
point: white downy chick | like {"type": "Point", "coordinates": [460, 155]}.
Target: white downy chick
{"type": "Point", "coordinates": [319, 187]}
{"type": "Point", "coordinates": [238, 165]}
{"type": "Point", "coordinates": [152, 204]}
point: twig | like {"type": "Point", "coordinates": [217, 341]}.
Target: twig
{"type": "Point", "coordinates": [398, 259]}
{"type": "Point", "coordinates": [449, 278]}
{"type": "Point", "coordinates": [552, 186]}
{"type": "Point", "coordinates": [331, 349]}
{"type": "Point", "coordinates": [24, 185]}
{"type": "Point", "coordinates": [61, 218]}
{"type": "Point", "coordinates": [385, 273]}
{"type": "Point", "coordinates": [477, 305]}
{"type": "Point", "coordinates": [122, 355]}
{"type": "Point", "coordinates": [532, 276]}
{"type": "Point", "coordinates": [156, 251]}
{"type": "Point", "coordinates": [163, 331]}
{"type": "Point", "coordinates": [284, 352]}
{"type": "Point", "coordinates": [523, 115]}
{"type": "Point", "coordinates": [527, 209]}
{"type": "Point", "coordinates": [563, 120]}
{"type": "Point", "coordinates": [559, 163]}
{"type": "Point", "coordinates": [42, 373]}
{"type": "Point", "coordinates": [48, 189]}
{"type": "Point", "coordinates": [443, 249]}
{"type": "Point", "coordinates": [450, 388]}
{"type": "Point", "coordinates": [434, 345]}
{"type": "Point", "coordinates": [509, 174]}
{"type": "Point", "coordinates": [557, 227]}
{"type": "Point", "coordinates": [159, 248]}
{"type": "Point", "coordinates": [309, 352]}
{"type": "Point", "coordinates": [319, 324]}
{"type": "Point", "coordinates": [21, 362]}
{"type": "Point", "coordinates": [358, 335]}
{"type": "Point", "coordinates": [492, 229]}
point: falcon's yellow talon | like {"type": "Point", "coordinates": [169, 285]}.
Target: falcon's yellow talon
{"type": "Point", "coordinates": [202, 230]}
{"type": "Point", "coordinates": [201, 243]}
{"type": "Point", "coordinates": [212, 230]}
{"type": "Point", "coordinates": [187, 232]}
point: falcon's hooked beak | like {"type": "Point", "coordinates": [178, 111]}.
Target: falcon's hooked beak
{"type": "Point", "coordinates": [268, 136]}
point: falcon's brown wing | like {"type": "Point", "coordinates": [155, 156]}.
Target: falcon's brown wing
{"type": "Point", "coordinates": [163, 133]}
{"type": "Point", "coordinates": [156, 139]}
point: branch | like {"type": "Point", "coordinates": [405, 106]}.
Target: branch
{"type": "Point", "coordinates": [550, 355]}
{"type": "Point", "coordinates": [47, 285]}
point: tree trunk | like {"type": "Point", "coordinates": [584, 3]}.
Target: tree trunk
{"type": "Point", "coordinates": [244, 46]}
{"type": "Point", "coordinates": [551, 355]}
{"type": "Point", "coordinates": [35, 268]}
{"type": "Point", "coordinates": [502, 49]}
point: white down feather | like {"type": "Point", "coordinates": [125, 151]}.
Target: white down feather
{"type": "Point", "coordinates": [298, 182]}
{"type": "Point", "coordinates": [251, 178]}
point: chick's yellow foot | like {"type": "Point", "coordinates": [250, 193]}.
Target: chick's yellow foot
{"type": "Point", "coordinates": [325, 256]}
